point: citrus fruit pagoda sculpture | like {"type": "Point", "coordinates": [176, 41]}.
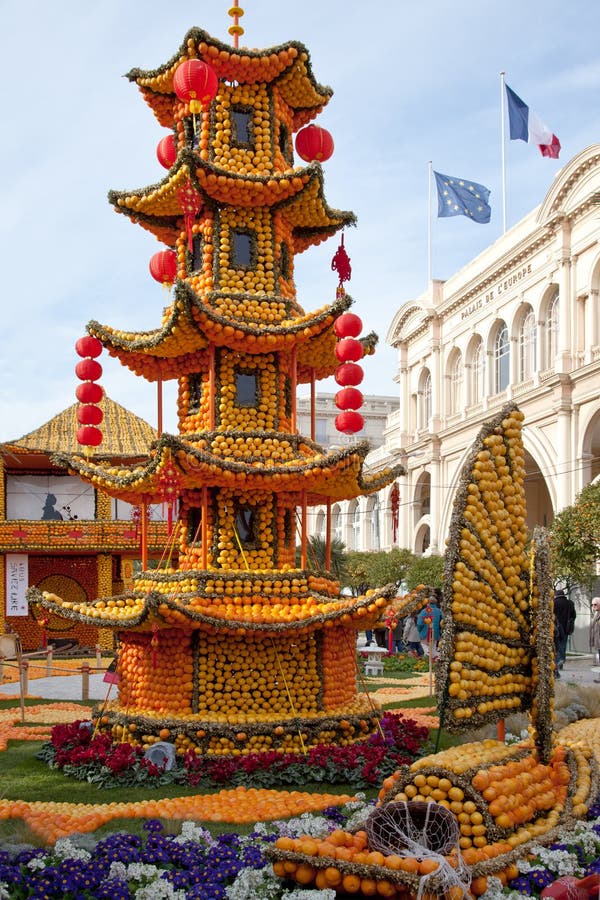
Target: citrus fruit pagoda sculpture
{"type": "Point", "coordinates": [235, 648]}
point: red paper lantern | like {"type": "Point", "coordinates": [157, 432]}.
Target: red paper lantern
{"type": "Point", "coordinates": [195, 82]}
{"type": "Point", "coordinates": [349, 350]}
{"type": "Point", "coordinates": [314, 143]}
{"type": "Point", "coordinates": [89, 414]}
{"type": "Point", "coordinates": [163, 267]}
{"type": "Point", "coordinates": [89, 436]}
{"type": "Point", "coordinates": [88, 370]}
{"type": "Point", "coordinates": [349, 373]}
{"type": "Point", "coordinates": [166, 151]}
{"type": "Point", "coordinates": [88, 392]}
{"type": "Point", "coordinates": [349, 398]}
{"type": "Point", "coordinates": [348, 325]}
{"type": "Point", "coordinates": [349, 422]}
{"type": "Point", "coordinates": [88, 346]}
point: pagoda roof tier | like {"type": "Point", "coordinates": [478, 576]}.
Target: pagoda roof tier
{"type": "Point", "coordinates": [207, 460]}
{"type": "Point", "coordinates": [143, 610]}
{"type": "Point", "coordinates": [286, 65]}
{"type": "Point", "coordinates": [190, 324]}
{"type": "Point", "coordinates": [298, 192]}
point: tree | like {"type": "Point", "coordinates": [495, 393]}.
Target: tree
{"type": "Point", "coordinates": [376, 568]}
{"type": "Point", "coordinates": [316, 552]}
{"type": "Point", "coordinates": [428, 570]}
{"type": "Point", "coordinates": [575, 539]}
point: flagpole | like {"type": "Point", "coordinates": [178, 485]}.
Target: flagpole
{"type": "Point", "coordinates": [429, 172]}
{"type": "Point", "coordinates": [503, 138]}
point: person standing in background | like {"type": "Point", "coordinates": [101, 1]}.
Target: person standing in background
{"type": "Point", "coordinates": [595, 633]}
{"type": "Point", "coordinates": [428, 624]}
{"type": "Point", "coordinates": [565, 615]}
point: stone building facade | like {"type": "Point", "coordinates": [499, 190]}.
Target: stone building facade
{"type": "Point", "coordinates": [519, 323]}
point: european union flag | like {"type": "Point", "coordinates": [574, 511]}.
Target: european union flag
{"type": "Point", "coordinates": [458, 197]}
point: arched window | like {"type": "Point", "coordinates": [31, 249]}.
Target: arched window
{"type": "Point", "coordinates": [552, 323]}
{"type": "Point", "coordinates": [527, 347]}
{"type": "Point", "coordinates": [374, 522]}
{"type": "Point", "coordinates": [477, 373]}
{"type": "Point", "coordinates": [424, 408]}
{"type": "Point", "coordinates": [336, 523]}
{"type": "Point", "coordinates": [355, 523]}
{"type": "Point", "coordinates": [320, 524]}
{"type": "Point", "coordinates": [501, 359]}
{"type": "Point", "coordinates": [455, 384]}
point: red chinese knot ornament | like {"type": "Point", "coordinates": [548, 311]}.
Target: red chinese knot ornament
{"type": "Point", "coordinates": [341, 264]}
{"type": "Point", "coordinates": [395, 505]}
{"type": "Point", "coordinates": [190, 204]}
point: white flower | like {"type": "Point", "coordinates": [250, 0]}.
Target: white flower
{"type": "Point", "coordinates": [159, 890]}
{"type": "Point", "coordinates": [66, 849]}
{"type": "Point", "coordinates": [118, 870]}
{"type": "Point", "coordinates": [255, 884]}
{"type": "Point", "coordinates": [36, 863]}
{"type": "Point", "coordinates": [560, 861]}
{"type": "Point", "coordinates": [4, 893]}
{"type": "Point", "coordinates": [191, 831]}
{"type": "Point", "coordinates": [143, 872]}
{"type": "Point", "coordinates": [315, 826]}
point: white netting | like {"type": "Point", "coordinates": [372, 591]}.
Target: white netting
{"type": "Point", "coordinates": [425, 831]}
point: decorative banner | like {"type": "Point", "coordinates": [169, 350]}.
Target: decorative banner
{"type": "Point", "coordinates": [17, 582]}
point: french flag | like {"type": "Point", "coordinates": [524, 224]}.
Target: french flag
{"type": "Point", "coordinates": [525, 125]}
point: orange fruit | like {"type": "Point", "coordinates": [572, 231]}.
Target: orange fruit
{"type": "Point", "coordinates": [351, 884]}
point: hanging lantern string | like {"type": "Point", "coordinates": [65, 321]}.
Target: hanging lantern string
{"type": "Point", "coordinates": [239, 543]}
{"type": "Point", "coordinates": [235, 30]}
{"type": "Point", "coordinates": [289, 695]}
{"type": "Point", "coordinates": [363, 684]}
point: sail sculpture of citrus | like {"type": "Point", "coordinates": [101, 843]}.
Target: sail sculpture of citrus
{"type": "Point", "coordinates": [235, 648]}
{"type": "Point", "coordinates": [496, 652]}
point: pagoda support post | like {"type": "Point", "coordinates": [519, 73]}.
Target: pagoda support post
{"type": "Point", "coordinates": [144, 538]}
{"type": "Point", "coordinates": [294, 387]}
{"type": "Point", "coordinates": [211, 387]}
{"type": "Point", "coordinates": [313, 406]}
{"type": "Point", "coordinates": [159, 405]}
{"type": "Point", "coordinates": [204, 527]}
{"type": "Point", "coordinates": [328, 536]}
{"type": "Point", "coordinates": [303, 525]}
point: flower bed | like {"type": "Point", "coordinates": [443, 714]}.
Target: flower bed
{"type": "Point", "coordinates": [81, 754]}
{"type": "Point", "coordinates": [233, 867]}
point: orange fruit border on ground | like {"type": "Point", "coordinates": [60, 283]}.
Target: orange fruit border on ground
{"type": "Point", "coordinates": [240, 806]}
{"type": "Point", "coordinates": [50, 820]}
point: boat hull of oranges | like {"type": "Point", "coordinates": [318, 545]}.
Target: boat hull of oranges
{"type": "Point", "coordinates": [503, 798]}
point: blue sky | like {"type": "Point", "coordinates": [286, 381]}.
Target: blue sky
{"type": "Point", "coordinates": [412, 82]}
